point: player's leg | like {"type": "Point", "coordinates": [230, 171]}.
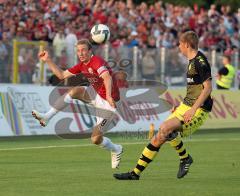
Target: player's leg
{"type": "Point", "coordinates": [151, 150]}
{"type": "Point", "coordinates": [104, 142]}
{"type": "Point", "coordinates": [106, 117]}
{"type": "Point", "coordinates": [61, 103]}
{"type": "Point", "coordinates": [186, 160]}
{"type": "Point", "coordinates": [175, 139]}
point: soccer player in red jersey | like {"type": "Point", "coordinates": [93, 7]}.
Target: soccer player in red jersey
{"type": "Point", "coordinates": [103, 93]}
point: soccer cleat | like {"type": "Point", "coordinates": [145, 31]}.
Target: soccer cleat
{"type": "Point", "coordinates": [126, 176]}
{"type": "Point", "coordinates": [116, 157]}
{"type": "Point", "coordinates": [184, 166]}
{"type": "Point", "coordinates": [40, 117]}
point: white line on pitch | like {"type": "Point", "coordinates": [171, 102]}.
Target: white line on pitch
{"type": "Point", "coordinates": [126, 143]}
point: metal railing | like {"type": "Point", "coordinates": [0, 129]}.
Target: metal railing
{"type": "Point", "coordinates": [162, 64]}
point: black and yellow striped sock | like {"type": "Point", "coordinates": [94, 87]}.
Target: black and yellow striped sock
{"type": "Point", "coordinates": [147, 156]}
{"type": "Point", "coordinates": [177, 144]}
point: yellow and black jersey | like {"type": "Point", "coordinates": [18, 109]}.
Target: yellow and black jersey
{"type": "Point", "coordinates": [199, 71]}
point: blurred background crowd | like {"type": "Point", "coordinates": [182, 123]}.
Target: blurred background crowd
{"type": "Point", "coordinates": [149, 27]}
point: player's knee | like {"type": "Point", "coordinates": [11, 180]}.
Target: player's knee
{"type": "Point", "coordinates": [75, 92]}
{"type": "Point", "coordinates": [159, 139]}
{"type": "Point", "coordinates": [163, 128]}
{"type": "Point", "coordinates": [96, 139]}
{"type": "Point", "coordinates": [71, 94]}
{"type": "Point", "coordinates": [162, 135]}
{"type": "Point", "coordinates": [172, 136]}
{"type": "Point", "coordinates": [68, 98]}
{"type": "Point", "coordinates": [163, 131]}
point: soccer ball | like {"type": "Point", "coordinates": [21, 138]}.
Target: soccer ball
{"type": "Point", "coordinates": [100, 33]}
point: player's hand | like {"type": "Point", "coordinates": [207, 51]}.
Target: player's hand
{"type": "Point", "coordinates": [111, 101]}
{"type": "Point", "coordinates": [43, 55]}
{"type": "Point", "coordinates": [218, 76]}
{"type": "Point", "coordinates": [189, 115]}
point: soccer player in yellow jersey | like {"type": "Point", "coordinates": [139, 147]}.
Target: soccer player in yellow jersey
{"type": "Point", "coordinates": [187, 117]}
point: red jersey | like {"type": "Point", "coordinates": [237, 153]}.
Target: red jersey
{"type": "Point", "coordinates": [92, 71]}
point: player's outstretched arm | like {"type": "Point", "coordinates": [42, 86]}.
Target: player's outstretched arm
{"type": "Point", "coordinates": [107, 79]}
{"type": "Point", "coordinates": [61, 74]}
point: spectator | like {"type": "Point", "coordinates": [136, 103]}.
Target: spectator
{"type": "Point", "coordinates": [121, 79]}
{"type": "Point", "coordinates": [3, 61]}
{"type": "Point", "coordinates": [26, 65]}
{"type": "Point", "coordinates": [226, 74]}
{"type": "Point", "coordinates": [71, 40]}
{"type": "Point", "coordinates": [59, 44]}
{"type": "Point", "coordinates": [149, 65]}
{"type": "Point", "coordinates": [212, 11]}
{"type": "Point", "coordinates": [7, 59]}
{"type": "Point", "coordinates": [40, 20]}
{"type": "Point", "coordinates": [133, 39]}
{"type": "Point", "coordinates": [167, 40]}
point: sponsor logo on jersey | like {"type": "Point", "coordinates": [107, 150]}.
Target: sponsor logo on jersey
{"type": "Point", "coordinates": [190, 80]}
{"type": "Point", "coordinates": [90, 70]}
{"type": "Point", "coordinates": [92, 80]}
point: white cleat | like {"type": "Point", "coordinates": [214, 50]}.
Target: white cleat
{"type": "Point", "coordinates": [40, 117]}
{"type": "Point", "coordinates": [116, 157]}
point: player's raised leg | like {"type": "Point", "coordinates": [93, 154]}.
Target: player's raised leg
{"type": "Point", "coordinates": [62, 102]}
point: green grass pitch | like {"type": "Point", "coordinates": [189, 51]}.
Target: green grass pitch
{"type": "Point", "coordinates": [49, 166]}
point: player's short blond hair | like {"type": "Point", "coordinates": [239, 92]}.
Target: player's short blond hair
{"type": "Point", "coordinates": [84, 42]}
{"type": "Point", "coordinates": [191, 38]}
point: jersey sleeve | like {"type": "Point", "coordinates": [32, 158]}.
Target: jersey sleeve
{"type": "Point", "coordinates": [75, 69]}
{"type": "Point", "coordinates": [100, 66]}
{"type": "Point", "coordinates": [204, 70]}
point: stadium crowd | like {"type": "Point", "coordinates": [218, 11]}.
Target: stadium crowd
{"type": "Point", "coordinates": [62, 22]}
